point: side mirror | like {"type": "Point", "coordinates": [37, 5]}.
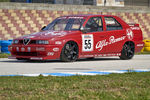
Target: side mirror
{"type": "Point", "coordinates": [43, 28]}
{"type": "Point", "coordinates": [85, 29]}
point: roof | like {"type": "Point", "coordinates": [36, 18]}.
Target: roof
{"type": "Point", "coordinates": [86, 15]}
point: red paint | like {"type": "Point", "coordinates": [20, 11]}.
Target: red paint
{"type": "Point", "coordinates": [105, 43]}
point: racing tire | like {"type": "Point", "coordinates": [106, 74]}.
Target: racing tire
{"type": "Point", "coordinates": [69, 52]}
{"type": "Point", "coordinates": [127, 51]}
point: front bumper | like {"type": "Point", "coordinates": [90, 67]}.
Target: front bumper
{"type": "Point", "coordinates": [35, 52]}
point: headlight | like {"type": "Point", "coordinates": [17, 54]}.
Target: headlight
{"type": "Point", "coordinates": [42, 42]}
{"type": "Point", "coordinates": [15, 41]}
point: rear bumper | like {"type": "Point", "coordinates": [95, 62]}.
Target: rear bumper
{"type": "Point", "coordinates": [35, 52]}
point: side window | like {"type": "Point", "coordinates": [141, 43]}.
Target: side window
{"type": "Point", "coordinates": [112, 24]}
{"type": "Point", "coordinates": [76, 24]}
{"type": "Point", "coordinates": [95, 24]}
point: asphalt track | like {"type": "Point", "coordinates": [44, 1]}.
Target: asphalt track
{"type": "Point", "coordinates": [15, 67]}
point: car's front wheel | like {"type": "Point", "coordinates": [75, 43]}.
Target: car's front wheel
{"type": "Point", "coordinates": [69, 52]}
{"type": "Point", "coordinates": [127, 51]}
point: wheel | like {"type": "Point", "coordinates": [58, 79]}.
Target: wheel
{"type": "Point", "coordinates": [69, 52]}
{"type": "Point", "coordinates": [127, 51]}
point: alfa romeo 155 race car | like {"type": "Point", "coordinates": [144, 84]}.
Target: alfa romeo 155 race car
{"type": "Point", "coordinates": [69, 38]}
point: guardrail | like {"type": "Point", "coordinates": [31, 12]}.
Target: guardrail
{"type": "Point", "coordinates": [4, 46]}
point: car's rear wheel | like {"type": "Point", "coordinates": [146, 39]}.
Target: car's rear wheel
{"type": "Point", "coordinates": [69, 52]}
{"type": "Point", "coordinates": [127, 51]}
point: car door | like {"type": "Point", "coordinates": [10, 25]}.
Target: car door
{"type": "Point", "coordinates": [90, 40]}
{"type": "Point", "coordinates": [115, 35]}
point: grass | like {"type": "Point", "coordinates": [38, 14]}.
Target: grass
{"type": "Point", "coordinates": [128, 86]}
{"type": "Point", "coordinates": [4, 55]}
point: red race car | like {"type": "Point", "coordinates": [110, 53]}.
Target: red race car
{"type": "Point", "coordinates": [69, 38]}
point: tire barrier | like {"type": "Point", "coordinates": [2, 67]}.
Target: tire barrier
{"type": "Point", "coordinates": [4, 46]}
{"type": "Point", "coordinates": [146, 45]}
{"type": "Point", "coordinates": [147, 49]}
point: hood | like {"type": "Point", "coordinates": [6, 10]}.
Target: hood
{"type": "Point", "coordinates": [45, 35]}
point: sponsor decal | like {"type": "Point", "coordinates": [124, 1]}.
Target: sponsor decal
{"type": "Point", "coordinates": [135, 28]}
{"type": "Point", "coordinates": [22, 49]}
{"type": "Point", "coordinates": [58, 42]}
{"type": "Point", "coordinates": [104, 43]}
{"type": "Point", "coordinates": [102, 55]}
{"type": "Point", "coordinates": [87, 42]}
{"type": "Point", "coordinates": [62, 33]}
{"type": "Point", "coordinates": [129, 34]}
{"type": "Point", "coordinates": [55, 49]}
{"type": "Point", "coordinates": [140, 45]}
{"type": "Point", "coordinates": [50, 53]}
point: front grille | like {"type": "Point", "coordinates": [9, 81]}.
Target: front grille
{"type": "Point", "coordinates": [31, 42]}
{"type": "Point", "coordinates": [26, 53]}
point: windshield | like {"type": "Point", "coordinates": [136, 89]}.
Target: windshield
{"type": "Point", "coordinates": [65, 24]}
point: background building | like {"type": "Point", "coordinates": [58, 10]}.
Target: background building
{"type": "Point", "coordinates": [145, 3]}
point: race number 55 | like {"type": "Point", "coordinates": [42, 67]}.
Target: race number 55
{"type": "Point", "coordinates": [87, 42]}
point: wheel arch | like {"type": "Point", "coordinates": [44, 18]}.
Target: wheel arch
{"type": "Point", "coordinates": [127, 52]}
{"type": "Point", "coordinates": [128, 42]}
{"type": "Point", "coordinates": [75, 41]}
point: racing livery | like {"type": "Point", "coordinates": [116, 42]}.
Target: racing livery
{"type": "Point", "coordinates": [69, 38]}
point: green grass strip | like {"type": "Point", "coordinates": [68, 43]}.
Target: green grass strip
{"type": "Point", "coordinates": [128, 86]}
